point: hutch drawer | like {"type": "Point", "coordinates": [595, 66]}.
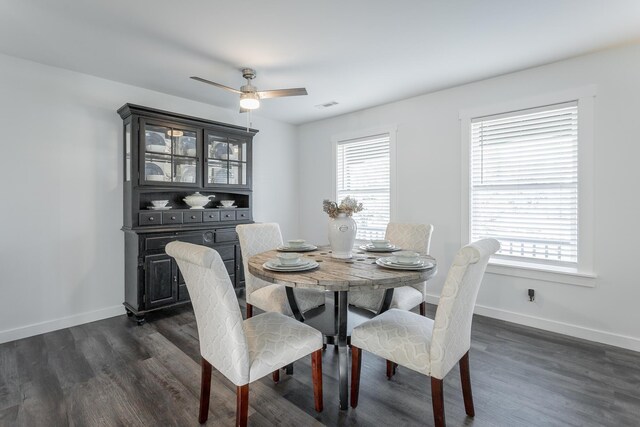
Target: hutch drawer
{"type": "Point", "coordinates": [191, 217]}
{"type": "Point", "coordinates": [154, 243]}
{"type": "Point", "coordinates": [228, 215]}
{"type": "Point", "coordinates": [243, 214]}
{"type": "Point", "coordinates": [150, 218]}
{"type": "Point", "coordinates": [211, 216]}
{"type": "Point", "coordinates": [171, 218]}
{"type": "Point", "coordinates": [228, 235]}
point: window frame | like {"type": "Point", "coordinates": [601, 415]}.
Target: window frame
{"type": "Point", "coordinates": [391, 130]}
{"type": "Point", "coordinates": [583, 273]}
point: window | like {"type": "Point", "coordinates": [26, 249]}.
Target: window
{"type": "Point", "coordinates": [527, 180]}
{"type": "Point", "coordinates": [524, 183]}
{"type": "Point", "coordinates": [363, 171]}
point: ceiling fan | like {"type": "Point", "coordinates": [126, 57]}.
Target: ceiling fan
{"type": "Point", "coordinates": [250, 96]}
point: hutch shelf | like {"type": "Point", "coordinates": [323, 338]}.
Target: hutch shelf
{"type": "Point", "coordinates": [168, 156]}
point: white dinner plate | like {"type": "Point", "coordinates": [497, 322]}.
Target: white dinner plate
{"type": "Point", "coordinates": [303, 248]}
{"type": "Point", "coordinates": [371, 248]}
{"type": "Point", "coordinates": [393, 260]}
{"type": "Point", "coordinates": [396, 260]}
{"type": "Point", "coordinates": [302, 262]}
{"type": "Point", "coordinates": [275, 265]}
{"type": "Point", "coordinates": [425, 265]}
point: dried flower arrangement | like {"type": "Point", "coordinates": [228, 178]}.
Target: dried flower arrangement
{"type": "Point", "coordinates": [347, 206]}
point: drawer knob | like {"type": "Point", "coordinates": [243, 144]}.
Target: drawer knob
{"type": "Point", "coordinates": [193, 217]}
{"type": "Point", "coordinates": [210, 216]}
{"type": "Point", "coordinates": [173, 218]}
{"type": "Point", "coordinates": [150, 218]}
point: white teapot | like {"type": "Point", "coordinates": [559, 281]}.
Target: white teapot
{"type": "Point", "coordinates": [197, 200]}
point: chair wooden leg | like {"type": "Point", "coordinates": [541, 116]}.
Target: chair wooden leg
{"type": "Point", "coordinates": [356, 365]}
{"type": "Point", "coordinates": [391, 369]}
{"type": "Point", "coordinates": [316, 376]}
{"type": "Point", "coordinates": [205, 388]}
{"type": "Point", "coordinates": [437, 397]}
{"type": "Point", "coordinates": [423, 308]}
{"type": "Point", "coordinates": [242, 405]}
{"type": "Point", "coordinates": [465, 379]}
{"type": "Point", "coordinates": [249, 311]}
{"type": "Point", "coordinates": [276, 376]}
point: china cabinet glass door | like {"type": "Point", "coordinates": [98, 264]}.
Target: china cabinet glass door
{"type": "Point", "coordinates": [227, 158]}
{"type": "Point", "coordinates": [169, 155]}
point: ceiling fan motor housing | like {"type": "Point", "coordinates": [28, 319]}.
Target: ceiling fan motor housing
{"type": "Point", "coordinates": [248, 73]}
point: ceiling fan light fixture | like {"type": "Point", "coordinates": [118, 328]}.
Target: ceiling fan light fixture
{"type": "Point", "coordinates": [250, 96]}
{"type": "Point", "coordinates": [249, 101]}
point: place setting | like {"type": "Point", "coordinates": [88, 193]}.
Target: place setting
{"type": "Point", "coordinates": [290, 262]}
{"type": "Point", "coordinates": [296, 245]}
{"type": "Point", "coordinates": [227, 204]}
{"type": "Point", "coordinates": [406, 260]}
{"type": "Point", "coordinates": [379, 246]}
{"type": "Point", "coordinates": [159, 205]}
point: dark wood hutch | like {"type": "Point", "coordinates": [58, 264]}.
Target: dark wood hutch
{"type": "Point", "coordinates": [168, 156]}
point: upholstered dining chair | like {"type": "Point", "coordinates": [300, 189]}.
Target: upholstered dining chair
{"type": "Point", "coordinates": [430, 347]}
{"type": "Point", "coordinates": [243, 351]}
{"type": "Point", "coordinates": [257, 238]}
{"type": "Point", "coordinates": [410, 237]}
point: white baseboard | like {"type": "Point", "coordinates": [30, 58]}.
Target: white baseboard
{"type": "Point", "coordinates": [576, 331]}
{"type": "Point", "coordinates": [61, 323]}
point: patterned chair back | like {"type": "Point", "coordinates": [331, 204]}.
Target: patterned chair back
{"type": "Point", "coordinates": [451, 337]}
{"type": "Point", "coordinates": [223, 342]}
{"type": "Point", "coordinates": [410, 237]}
{"type": "Point", "coordinates": [254, 239]}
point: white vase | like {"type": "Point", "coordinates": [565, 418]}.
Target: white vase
{"type": "Point", "coordinates": [342, 235]}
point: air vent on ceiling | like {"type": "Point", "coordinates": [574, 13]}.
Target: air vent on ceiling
{"type": "Point", "coordinates": [327, 105]}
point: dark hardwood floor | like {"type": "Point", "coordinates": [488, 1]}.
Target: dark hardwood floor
{"type": "Point", "coordinates": [114, 373]}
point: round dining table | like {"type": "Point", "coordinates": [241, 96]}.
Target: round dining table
{"type": "Point", "coordinates": [337, 277]}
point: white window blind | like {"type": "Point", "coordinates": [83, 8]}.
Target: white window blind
{"type": "Point", "coordinates": [364, 172]}
{"type": "Point", "coordinates": [524, 183]}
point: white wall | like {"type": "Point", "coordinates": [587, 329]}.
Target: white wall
{"type": "Point", "coordinates": [61, 253]}
{"type": "Point", "coordinates": [429, 188]}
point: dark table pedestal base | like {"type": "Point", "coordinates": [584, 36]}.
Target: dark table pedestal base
{"type": "Point", "coordinates": [336, 321]}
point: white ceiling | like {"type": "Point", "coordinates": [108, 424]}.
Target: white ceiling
{"type": "Point", "coordinates": [359, 53]}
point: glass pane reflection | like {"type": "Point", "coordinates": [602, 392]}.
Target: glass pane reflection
{"type": "Point", "coordinates": [154, 139]}
{"type": "Point", "coordinates": [218, 172]}
{"type": "Point", "coordinates": [185, 171]}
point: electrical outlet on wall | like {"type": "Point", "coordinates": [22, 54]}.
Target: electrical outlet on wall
{"type": "Point", "coordinates": [532, 295]}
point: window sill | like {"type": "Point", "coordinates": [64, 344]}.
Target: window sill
{"type": "Point", "coordinates": [542, 272]}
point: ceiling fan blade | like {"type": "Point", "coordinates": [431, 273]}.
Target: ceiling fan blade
{"type": "Point", "coordinates": [200, 79]}
{"type": "Point", "coordinates": [264, 94]}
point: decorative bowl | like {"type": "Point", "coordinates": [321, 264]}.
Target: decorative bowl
{"type": "Point", "coordinates": [407, 257]}
{"type": "Point", "coordinates": [289, 258]}
{"type": "Point", "coordinates": [380, 243]}
{"type": "Point", "coordinates": [197, 200]}
{"type": "Point", "coordinates": [227, 203]}
{"type": "Point", "coordinates": [296, 243]}
{"type": "Point", "coordinates": [159, 203]}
